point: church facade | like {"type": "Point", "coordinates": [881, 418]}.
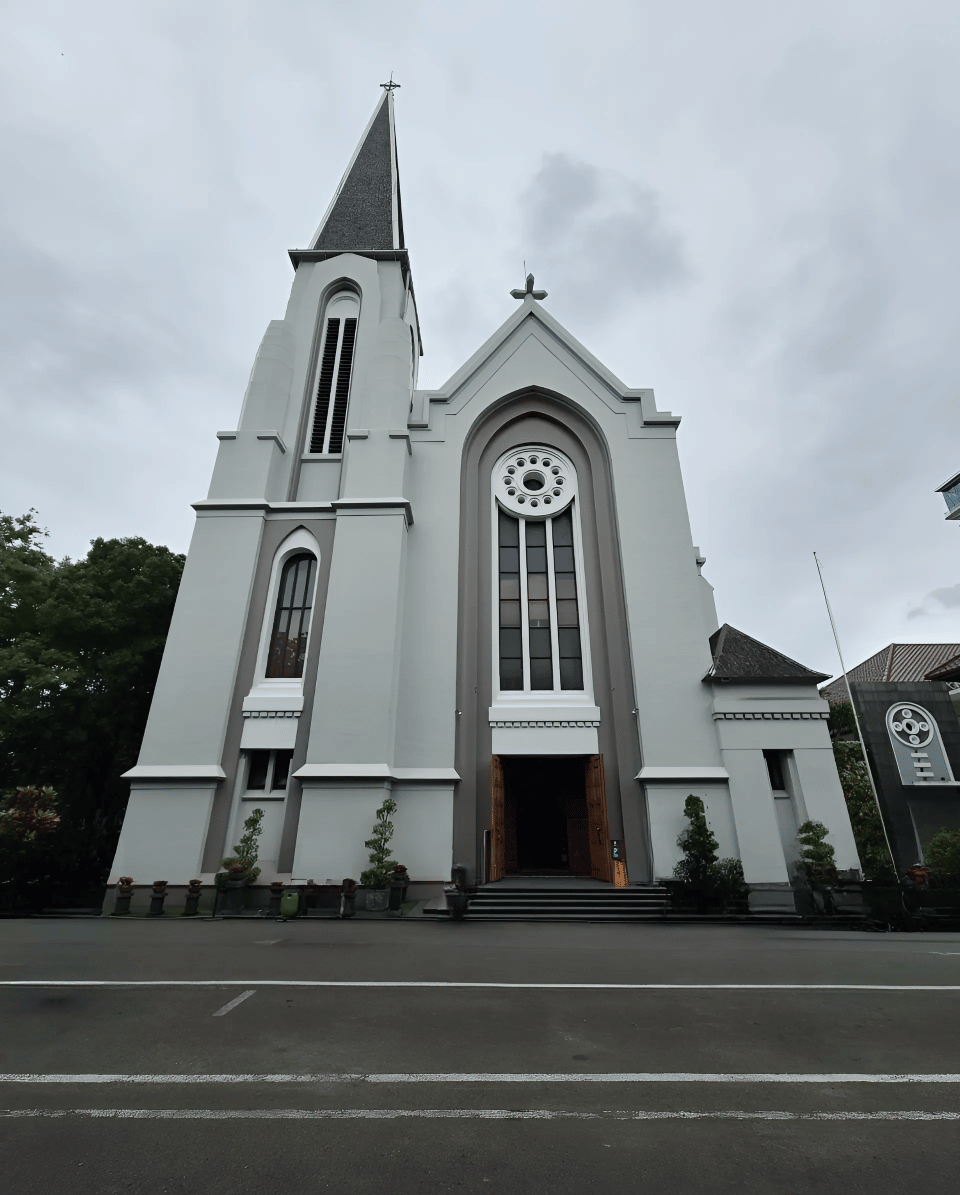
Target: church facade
{"type": "Point", "coordinates": [483, 601]}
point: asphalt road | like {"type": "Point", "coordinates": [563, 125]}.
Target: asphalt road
{"type": "Point", "coordinates": [195, 1056]}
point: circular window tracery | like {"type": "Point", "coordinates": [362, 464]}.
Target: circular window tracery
{"type": "Point", "coordinates": [534, 481]}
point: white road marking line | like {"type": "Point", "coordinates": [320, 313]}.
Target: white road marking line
{"type": "Point", "coordinates": [477, 1077]}
{"type": "Point", "coordinates": [454, 984]}
{"type": "Point", "coordinates": [439, 1114]}
{"type": "Point", "coordinates": [268, 942]}
{"type": "Point", "coordinates": [222, 1012]}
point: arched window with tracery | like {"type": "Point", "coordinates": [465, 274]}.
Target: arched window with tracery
{"type": "Point", "coordinates": [291, 624]}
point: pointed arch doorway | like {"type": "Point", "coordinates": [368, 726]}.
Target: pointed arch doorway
{"type": "Point", "coordinates": [549, 817]}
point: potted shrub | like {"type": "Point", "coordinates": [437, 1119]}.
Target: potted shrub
{"type": "Point", "coordinates": [240, 868]}
{"type": "Point", "coordinates": [376, 878]}
{"type": "Point", "coordinates": [709, 884]}
{"type": "Point", "coordinates": [817, 865]}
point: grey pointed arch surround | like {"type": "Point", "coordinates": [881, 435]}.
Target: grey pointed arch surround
{"type": "Point", "coordinates": [535, 416]}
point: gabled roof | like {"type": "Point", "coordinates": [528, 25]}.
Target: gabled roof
{"type": "Point", "coordinates": [896, 662]}
{"type": "Point", "coordinates": [948, 670]}
{"type": "Point", "coordinates": [365, 211]}
{"type": "Point", "coordinates": [532, 320]}
{"type": "Point", "coordinates": [737, 657]}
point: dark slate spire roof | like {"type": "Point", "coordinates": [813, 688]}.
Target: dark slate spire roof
{"type": "Point", "coordinates": [737, 657]}
{"type": "Point", "coordinates": [365, 212]}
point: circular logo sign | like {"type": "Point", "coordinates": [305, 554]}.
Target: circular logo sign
{"type": "Point", "coordinates": [910, 724]}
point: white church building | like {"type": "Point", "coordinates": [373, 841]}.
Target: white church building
{"type": "Point", "coordinates": [482, 600]}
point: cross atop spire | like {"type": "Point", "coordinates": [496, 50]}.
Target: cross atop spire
{"type": "Point", "coordinates": [522, 294]}
{"type": "Point", "coordinates": [365, 212]}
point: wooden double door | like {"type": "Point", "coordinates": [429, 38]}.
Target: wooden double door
{"type": "Point", "coordinates": [549, 817]}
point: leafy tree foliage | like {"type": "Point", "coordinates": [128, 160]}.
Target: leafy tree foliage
{"type": "Point", "coordinates": [714, 881]}
{"type": "Point", "coordinates": [817, 856]}
{"type": "Point", "coordinates": [242, 864]}
{"type": "Point", "coordinates": [864, 815]}
{"type": "Point", "coordinates": [80, 647]}
{"type": "Point", "coordinates": [942, 856]}
{"type": "Point", "coordinates": [841, 723]}
{"type": "Point", "coordinates": [380, 871]}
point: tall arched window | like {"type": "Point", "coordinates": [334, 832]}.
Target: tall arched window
{"type": "Point", "coordinates": [333, 377]}
{"type": "Point", "coordinates": [540, 621]}
{"type": "Point", "coordinates": [291, 624]}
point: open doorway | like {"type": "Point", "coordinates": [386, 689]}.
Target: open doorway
{"type": "Point", "coordinates": [546, 824]}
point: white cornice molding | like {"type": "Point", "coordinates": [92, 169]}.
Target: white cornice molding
{"type": "Point", "coordinates": [175, 771]}
{"type": "Point", "coordinates": [815, 716]}
{"type": "Point", "coordinates": [503, 725]}
{"type": "Point", "coordinates": [374, 771]}
{"type": "Point", "coordinates": [691, 772]}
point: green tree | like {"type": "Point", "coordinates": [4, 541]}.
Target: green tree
{"type": "Point", "coordinates": [841, 722]}
{"type": "Point", "coordinates": [942, 856]}
{"type": "Point", "coordinates": [699, 846]}
{"type": "Point", "coordinates": [379, 873]}
{"type": "Point", "coordinates": [864, 815]}
{"type": "Point", "coordinates": [817, 856]}
{"type": "Point", "coordinates": [242, 864]}
{"type": "Point", "coordinates": [714, 881]}
{"type": "Point", "coordinates": [28, 817]}
{"type": "Point", "coordinates": [80, 647]}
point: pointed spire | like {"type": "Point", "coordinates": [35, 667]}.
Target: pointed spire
{"type": "Point", "coordinates": [365, 212]}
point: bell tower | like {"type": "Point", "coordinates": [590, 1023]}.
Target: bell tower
{"type": "Point", "coordinates": [318, 460]}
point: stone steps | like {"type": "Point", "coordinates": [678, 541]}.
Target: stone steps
{"type": "Point", "coordinates": [638, 903]}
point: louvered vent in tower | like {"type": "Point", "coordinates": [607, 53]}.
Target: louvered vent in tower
{"type": "Point", "coordinates": [339, 419]}
{"type": "Point", "coordinates": [324, 386]}
{"type": "Point", "coordinates": [333, 376]}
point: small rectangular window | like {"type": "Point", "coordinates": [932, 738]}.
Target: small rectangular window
{"type": "Point", "coordinates": [281, 769]}
{"type": "Point", "coordinates": [774, 761]}
{"type": "Point", "coordinates": [258, 765]}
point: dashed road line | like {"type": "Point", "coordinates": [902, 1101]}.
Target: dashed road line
{"type": "Point", "coordinates": [222, 1012]}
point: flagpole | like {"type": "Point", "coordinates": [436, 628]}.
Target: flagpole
{"type": "Point", "coordinates": [856, 720]}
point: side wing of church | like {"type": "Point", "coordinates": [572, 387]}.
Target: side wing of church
{"type": "Point", "coordinates": [483, 601]}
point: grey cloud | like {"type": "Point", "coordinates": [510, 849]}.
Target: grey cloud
{"type": "Point", "coordinates": [599, 231]}
{"type": "Point", "coordinates": [946, 599]}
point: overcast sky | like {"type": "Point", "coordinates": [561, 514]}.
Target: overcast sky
{"type": "Point", "coordinates": [750, 207]}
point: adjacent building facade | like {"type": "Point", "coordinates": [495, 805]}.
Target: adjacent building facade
{"type": "Point", "coordinates": [482, 600]}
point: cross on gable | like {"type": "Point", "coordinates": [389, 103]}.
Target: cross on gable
{"type": "Point", "coordinates": [391, 86]}
{"type": "Point", "coordinates": [522, 294]}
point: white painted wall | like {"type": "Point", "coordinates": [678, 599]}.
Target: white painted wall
{"type": "Point", "coordinates": [163, 834]}
{"type": "Point", "coordinates": [336, 821]}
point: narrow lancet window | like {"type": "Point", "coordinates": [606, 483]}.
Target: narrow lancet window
{"type": "Point", "coordinates": [568, 614]}
{"type": "Point", "coordinates": [291, 625]}
{"type": "Point", "coordinates": [511, 637]}
{"type": "Point", "coordinates": [333, 379]}
{"type": "Point", "coordinates": [538, 606]}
